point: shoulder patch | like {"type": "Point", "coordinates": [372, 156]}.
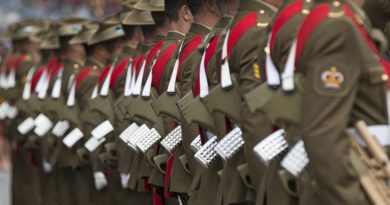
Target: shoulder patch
{"type": "Point", "coordinates": [332, 78]}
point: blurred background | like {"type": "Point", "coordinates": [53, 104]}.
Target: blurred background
{"type": "Point", "coordinates": [13, 10]}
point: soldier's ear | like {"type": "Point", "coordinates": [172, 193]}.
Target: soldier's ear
{"type": "Point", "coordinates": [186, 13]}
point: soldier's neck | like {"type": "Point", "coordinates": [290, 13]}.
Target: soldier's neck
{"type": "Point", "coordinates": [206, 19]}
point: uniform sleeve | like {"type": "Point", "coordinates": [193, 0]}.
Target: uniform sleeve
{"type": "Point", "coordinates": [331, 68]}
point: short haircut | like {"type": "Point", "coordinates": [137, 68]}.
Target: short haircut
{"type": "Point", "coordinates": [172, 8]}
{"type": "Point", "coordinates": [159, 17]}
{"type": "Point", "coordinates": [196, 5]}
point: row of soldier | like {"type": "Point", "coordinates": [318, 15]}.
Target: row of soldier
{"type": "Point", "coordinates": [199, 102]}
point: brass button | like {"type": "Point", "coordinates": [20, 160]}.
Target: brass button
{"type": "Point", "coordinates": [385, 77]}
{"type": "Point", "coordinates": [76, 66]}
{"type": "Point", "coordinates": [94, 67]}
{"type": "Point", "coordinates": [261, 11]}
{"type": "Point", "coordinates": [336, 3]}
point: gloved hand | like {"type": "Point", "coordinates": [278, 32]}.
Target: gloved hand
{"type": "Point", "coordinates": [100, 180]}
{"type": "Point", "coordinates": [124, 180]}
{"type": "Point", "coordinates": [47, 167]}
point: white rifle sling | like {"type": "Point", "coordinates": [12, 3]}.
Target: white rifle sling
{"type": "Point", "coordinates": [73, 137]}
{"type": "Point", "coordinates": [296, 160]}
{"type": "Point", "coordinates": [134, 138]}
{"type": "Point", "coordinates": [146, 143]}
{"type": "Point", "coordinates": [42, 125]}
{"type": "Point", "coordinates": [272, 146]}
{"type": "Point", "coordinates": [42, 90]}
{"type": "Point", "coordinates": [230, 144]}
{"type": "Point", "coordinates": [126, 134]}
{"type": "Point", "coordinates": [173, 139]}
{"type": "Point", "coordinates": [26, 126]}
{"type": "Point", "coordinates": [196, 144]}
{"type": "Point", "coordinates": [207, 154]}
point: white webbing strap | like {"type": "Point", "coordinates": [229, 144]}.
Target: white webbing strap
{"type": "Point", "coordinates": [172, 80]}
{"type": "Point", "coordinates": [95, 91]}
{"type": "Point", "coordinates": [3, 79]}
{"type": "Point", "coordinates": [226, 80]}
{"type": "Point", "coordinates": [388, 106]}
{"type": "Point", "coordinates": [133, 80]}
{"type": "Point", "coordinates": [148, 84]}
{"type": "Point", "coordinates": [106, 84]}
{"type": "Point", "coordinates": [203, 84]}
{"type": "Point", "coordinates": [70, 81]}
{"type": "Point", "coordinates": [138, 83]}
{"type": "Point", "coordinates": [273, 78]}
{"type": "Point", "coordinates": [129, 72]}
{"type": "Point", "coordinates": [72, 95]}
{"type": "Point", "coordinates": [45, 86]}
{"type": "Point", "coordinates": [288, 74]}
{"type": "Point", "coordinates": [55, 93]}
{"type": "Point", "coordinates": [11, 82]}
{"type": "Point", "coordinates": [27, 85]}
{"type": "Point", "coordinates": [41, 80]}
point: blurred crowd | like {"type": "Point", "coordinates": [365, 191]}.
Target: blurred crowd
{"type": "Point", "coordinates": [14, 10]}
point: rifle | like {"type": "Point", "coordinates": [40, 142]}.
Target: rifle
{"type": "Point", "coordinates": [373, 167]}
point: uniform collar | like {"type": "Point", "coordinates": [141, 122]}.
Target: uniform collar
{"type": "Point", "coordinates": [199, 29]}
{"type": "Point", "coordinates": [175, 35]}
{"type": "Point", "coordinates": [93, 62]}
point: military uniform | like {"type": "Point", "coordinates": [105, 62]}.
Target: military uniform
{"type": "Point", "coordinates": [331, 106]}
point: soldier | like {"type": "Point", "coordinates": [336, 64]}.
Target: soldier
{"type": "Point", "coordinates": [335, 97]}
{"type": "Point", "coordinates": [29, 56]}
{"type": "Point", "coordinates": [104, 46]}
{"type": "Point", "coordinates": [121, 79]}
{"type": "Point", "coordinates": [247, 70]}
{"type": "Point", "coordinates": [72, 57]}
{"type": "Point", "coordinates": [378, 11]}
{"type": "Point", "coordinates": [280, 39]}
{"type": "Point", "coordinates": [75, 176]}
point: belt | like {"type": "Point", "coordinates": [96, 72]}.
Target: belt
{"type": "Point", "coordinates": [381, 132]}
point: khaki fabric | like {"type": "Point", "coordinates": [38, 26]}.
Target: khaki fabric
{"type": "Point", "coordinates": [361, 96]}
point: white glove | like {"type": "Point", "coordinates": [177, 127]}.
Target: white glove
{"type": "Point", "coordinates": [100, 180]}
{"type": "Point", "coordinates": [124, 180]}
{"type": "Point", "coordinates": [47, 167]}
